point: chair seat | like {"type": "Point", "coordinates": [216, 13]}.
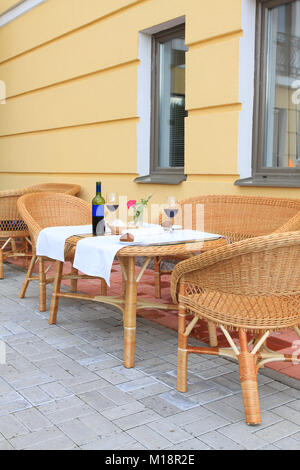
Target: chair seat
{"type": "Point", "coordinates": [239, 311]}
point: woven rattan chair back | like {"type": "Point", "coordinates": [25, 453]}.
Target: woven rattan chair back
{"type": "Point", "coordinates": [240, 217]}
{"type": "Point", "coordinates": [72, 189]}
{"type": "Point", "coordinates": [48, 209]}
{"type": "Point", "coordinates": [11, 224]}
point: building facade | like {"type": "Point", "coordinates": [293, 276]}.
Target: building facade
{"type": "Point", "coordinates": [169, 97]}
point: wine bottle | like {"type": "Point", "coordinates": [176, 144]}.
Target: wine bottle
{"type": "Point", "coordinates": [98, 212]}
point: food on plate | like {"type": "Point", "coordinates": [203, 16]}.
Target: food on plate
{"type": "Point", "coordinates": [127, 237]}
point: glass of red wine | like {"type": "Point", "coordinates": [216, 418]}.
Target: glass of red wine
{"type": "Point", "coordinates": [171, 210]}
{"type": "Point", "coordinates": [112, 204]}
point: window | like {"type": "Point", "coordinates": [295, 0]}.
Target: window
{"type": "Point", "coordinates": [277, 105]}
{"type": "Point", "coordinates": [167, 107]}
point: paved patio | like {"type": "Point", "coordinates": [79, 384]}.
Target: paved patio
{"type": "Point", "coordinates": [64, 386]}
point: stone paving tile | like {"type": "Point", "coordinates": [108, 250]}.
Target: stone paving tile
{"type": "Point", "coordinates": [100, 425]}
{"type": "Point", "coordinates": [96, 400]}
{"type": "Point", "coordinates": [288, 443]}
{"type": "Point", "coordinates": [218, 441]}
{"type": "Point", "coordinates": [11, 427]}
{"type": "Point", "coordinates": [243, 435]}
{"type": "Point", "coordinates": [59, 443]}
{"type": "Point", "coordinates": [61, 416]}
{"type": "Point", "coordinates": [170, 431]}
{"type": "Point", "coordinates": [160, 406]}
{"type": "Point", "coordinates": [150, 390]}
{"type": "Point", "coordinates": [137, 419]}
{"type": "Point", "coordinates": [56, 390]}
{"type": "Point", "coordinates": [65, 387]}
{"type": "Point", "coordinates": [149, 438]}
{"type": "Point", "coordinates": [287, 412]}
{"type": "Point", "coordinates": [209, 423]}
{"type": "Point", "coordinates": [124, 410]}
{"type": "Point", "coordinates": [32, 419]}
{"type": "Point", "coordinates": [37, 438]}
{"type": "Point", "coordinates": [276, 431]}
{"type": "Point", "coordinates": [192, 444]}
{"type": "Point", "coordinates": [225, 411]}
{"type": "Point", "coordinates": [14, 406]}
{"type": "Point", "coordinates": [180, 400]}
{"type": "Point", "coordinates": [78, 432]}
{"type": "Point", "coordinates": [115, 442]}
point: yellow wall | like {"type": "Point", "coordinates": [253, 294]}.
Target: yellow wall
{"type": "Point", "coordinates": [6, 5]}
{"type": "Point", "coordinates": [71, 68]}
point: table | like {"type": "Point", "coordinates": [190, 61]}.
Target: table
{"type": "Point", "coordinates": [128, 301]}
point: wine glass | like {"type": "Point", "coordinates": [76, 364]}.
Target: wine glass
{"type": "Point", "coordinates": [171, 210]}
{"type": "Point", "coordinates": [112, 204]}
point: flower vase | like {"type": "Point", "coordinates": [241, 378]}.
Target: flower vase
{"type": "Point", "coordinates": [138, 217]}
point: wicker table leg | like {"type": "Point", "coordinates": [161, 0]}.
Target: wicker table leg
{"type": "Point", "coordinates": [157, 277]}
{"type": "Point", "coordinates": [130, 314]}
{"type": "Point", "coordinates": [56, 290]}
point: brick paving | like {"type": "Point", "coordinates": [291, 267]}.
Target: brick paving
{"type": "Point", "coordinates": [64, 386]}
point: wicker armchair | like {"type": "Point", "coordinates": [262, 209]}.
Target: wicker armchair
{"type": "Point", "coordinates": [238, 218]}
{"type": "Point", "coordinates": [48, 209]}
{"type": "Point", "coordinates": [249, 286]}
{"type": "Point", "coordinates": [12, 227]}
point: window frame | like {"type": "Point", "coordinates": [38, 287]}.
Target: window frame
{"type": "Point", "coordinates": [284, 176]}
{"type": "Point", "coordinates": [157, 39]}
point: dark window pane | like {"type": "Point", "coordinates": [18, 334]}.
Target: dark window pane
{"type": "Point", "coordinates": [283, 74]}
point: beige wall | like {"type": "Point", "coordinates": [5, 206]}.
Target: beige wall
{"type": "Point", "coordinates": [6, 5]}
{"type": "Point", "coordinates": [71, 70]}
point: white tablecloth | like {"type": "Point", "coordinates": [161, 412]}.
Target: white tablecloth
{"type": "Point", "coordinates": [94, 256]}
{"type": "Point", "coordinates": [51, 240]}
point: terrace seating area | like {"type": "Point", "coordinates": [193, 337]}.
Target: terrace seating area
{"type": "Point", "coordinates": [244, 279]}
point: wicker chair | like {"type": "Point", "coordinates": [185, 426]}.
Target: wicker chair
{"type": "Point", "coordinates": [48, 209]}
{"type": "Point", "coordinates": [249, 286]}
{"type": "Point", "coordinates": [12, 227]}
{"type": "Point", "coordinates": [236, 217]}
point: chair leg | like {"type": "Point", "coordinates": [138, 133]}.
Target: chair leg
{"type": "Point", "coordinates": [27, 278]}
{"type": "Point", "coordinates": [182, 358]}
{"type": "Point", "coordinates": [213, 339]}
{"type": "Point", "coordinates": [157, 277]}
{"type": "Point", "coordinates": [248, 375]}
{"type": "Point", "coordinates": [1, 264]}
{"type": "Point", "coordinates": [42, 285]}
{"type": "Point", "coordinates": [14, 247]}
{"type": "Point", "coordinates": [56, 290]}
{"type": "Point", "coordinates": [74, 282]}
{"type": "Point", "coordinates": [103, 287]}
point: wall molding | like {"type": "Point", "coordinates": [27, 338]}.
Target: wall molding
{"type": "Point", "coordinates": [19, 9]}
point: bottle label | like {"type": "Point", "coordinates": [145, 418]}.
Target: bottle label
{"type": "Point", "coordinates": [98, 211]}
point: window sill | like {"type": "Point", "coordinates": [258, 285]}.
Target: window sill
{"type": "Point", "coordinates": [270, 181]}
{"type": "Point", "coordinates": [161, 179]}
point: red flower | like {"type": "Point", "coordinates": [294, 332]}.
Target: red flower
{"type": "Point", "coordinates": [130, 204]}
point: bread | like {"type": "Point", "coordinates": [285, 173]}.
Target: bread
{"type": "Point", "coordinates": [127, 237]}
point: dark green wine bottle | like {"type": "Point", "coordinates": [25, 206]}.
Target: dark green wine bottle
{"type": "Point", "coordinates": [98, 212]}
